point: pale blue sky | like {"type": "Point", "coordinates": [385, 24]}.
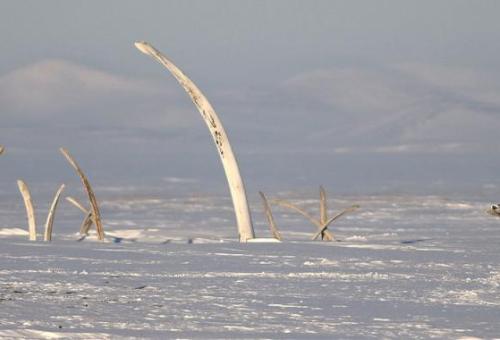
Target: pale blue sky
{"type": "Point", "coordinates": [347, 83]}
{"type": "Point", "coordinates": [299, 34]}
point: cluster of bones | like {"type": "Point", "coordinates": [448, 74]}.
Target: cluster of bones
{"type": "Point", "coordinates": [231, 169]}
{"type": "Point", "coordinates": [92, 215]}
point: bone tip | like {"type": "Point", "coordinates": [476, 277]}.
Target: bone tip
{"type": "Point", "coordinates": [143, 46]}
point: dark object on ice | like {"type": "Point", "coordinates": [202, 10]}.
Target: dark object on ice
{"type": "Point", "coordinates": [414, 241]}
{"type": "Point", "coordinates": [140, 287]}
{"type": "Point", "coordinates": [494, 210]}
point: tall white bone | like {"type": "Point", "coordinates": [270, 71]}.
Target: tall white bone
{"type": "Point", "coordinates": [50, 217]}
{"type": "Point", "coordinates": [270, 219]}
{"type": "Point", "coordinates": [90, 193]}
{"type": "Point", "coordinates": [30, 211]}
{"type": "Point", "coordinates": [323, 208]}
{"type": "Point", "coordinates": [236, 187]}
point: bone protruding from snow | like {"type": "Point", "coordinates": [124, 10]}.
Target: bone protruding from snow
{"type": "Point", "coordinates": [77, 204]}
{"type": "Point", "coordinates": [317, 223]}
{"type": "Point", "coordinates": [88, 220]}
{"type": "Point", "coordinates": [50, 217]}
{"type": "Point", "coordinates": [236, 186]}
{"type": "Point", "coordinates": [86, 224]}
{"type": "Point", "coordinates": [30, 211]}
{"type": "Point", "coordinates": [325, 226]}
{"type": "Point", "coordinates": [323, 208]}
{"type": "Point", "coordinates": [323, 214]}
{"type": "Point", "coordinates": [86, 184]}
{"type": "Point", "coordinates": [290, 205]}
{"type": "Point", "coordinates": [323, 222]}
{"type": "Point", "coordinates": [270, 219]}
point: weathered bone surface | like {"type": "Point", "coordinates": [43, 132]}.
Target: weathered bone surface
{"type": "Point", "coordinates": [317, 223]}
{"type": "Point", "coordinates": [290, 205]}
{"type": "Point", "coordinates": [323, 214]}
{"type": "Point", "coordinates": [327, 223]}
{"type": "Point", "coordinates": [77, 204]}
{"type": "Point", "coordinates": [86, 224]}
{"type": "Point", "coordinates": [267, 210]}
{"type": "Point", "coordinates": [323, 222]}
{"type": "Point", "coordinates": [88, 220]}
{"type": "Point", "coordinates": [323, 208]}
{"type": "Point", "coordinates": [93, 201]}
{"type": "Point", "coordinates": [236, 187]}
{"type": "Point", "coordinates": [50, 217]}
{"type": "Point", "coordinates": [30, 211]}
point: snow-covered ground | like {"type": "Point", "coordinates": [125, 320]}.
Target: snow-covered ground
{"type": "Point", "coordinates": [403, 267]}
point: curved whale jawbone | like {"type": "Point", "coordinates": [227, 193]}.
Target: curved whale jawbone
{"type": "Point", "coordinates": [236, 187]}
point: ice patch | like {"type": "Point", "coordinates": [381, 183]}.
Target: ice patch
{"type": "Point", "coordinates": [177, 180]}
{"type": "Point", "coordinates": [458, 205]}
{"type": "Point", "coordinates": [263, 240]}
{"type": "Point", "coordinates": [321, 262]}
{"type": "Point", "coordinates": [13, 232]}
{"type": "Point", "coordinates": [39, 334]}
{"type": "Point", "coordinates": [356, 238]}
{"type": "Point", "coordinates": [286, 306]}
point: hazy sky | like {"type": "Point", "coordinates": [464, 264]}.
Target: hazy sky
{"type": "Point", "coordinates": [358, 93]}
